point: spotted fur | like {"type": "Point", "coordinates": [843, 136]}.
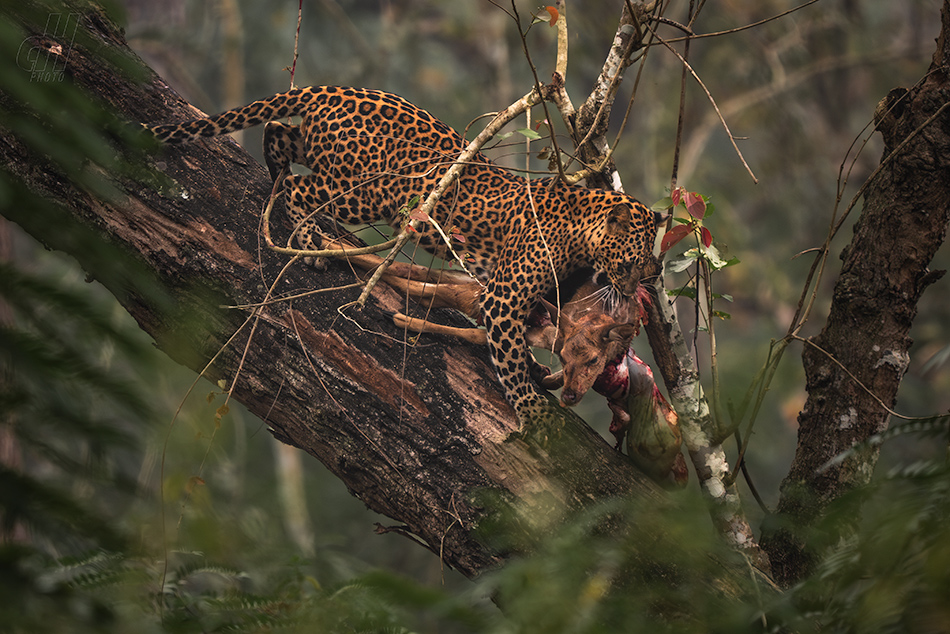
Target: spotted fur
{"type": "Point", "coordinates": [370, 152]}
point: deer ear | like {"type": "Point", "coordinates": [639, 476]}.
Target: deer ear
{"type": "Point", "coordinates": [618, 220]}
{"type": "Point", "coordinates": [553, 381]}
{"type": "Point", "coordinates": [622, 333]}
{"type": "Point", "coordinates": [551, 308]}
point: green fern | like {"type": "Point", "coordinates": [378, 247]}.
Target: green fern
{"type": "Point", "coordinates": [893, 574]}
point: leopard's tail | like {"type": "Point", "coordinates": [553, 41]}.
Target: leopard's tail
{"type": "Point", "coordinates": [280, 106]}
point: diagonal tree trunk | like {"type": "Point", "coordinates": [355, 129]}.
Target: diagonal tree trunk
{"type": "Point", "coordinates": [421, 433]}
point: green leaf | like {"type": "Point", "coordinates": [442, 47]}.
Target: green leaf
{"type": "Point", "coordinates": [683, 291]}
{"type": "Point", "coordinates": [681, 264]}
{"type": "Point", "coordinates": [529, 133]}
{"type": "Point", "coordinates": [711, 255]}
{"type": "Point", "coordinates": [662, 204]}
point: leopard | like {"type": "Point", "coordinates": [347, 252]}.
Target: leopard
{"type": "Point", "coordinates": [370, 153]}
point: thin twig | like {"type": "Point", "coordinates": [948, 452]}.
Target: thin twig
{"type": "Point", "coordinates": [682, 113]}
{"type": "Point", "coordinates": [801, 315]}
{"type": "Point", "coordinates": [857, 381]}
{"type": "Point", "coordinates": [709, 96]}
{"type": "Point", "coordinates": [309, 253]}
{"type": "Point", "coordinates": [537, 89]}
{"type": "Point", "coordinates": [736, 29]}
{"type": "Point", "coordinates": [293, 66]}
{"type": "Point", "coordinates": [741, 466]}
{"type": "Point", "coordinates": [287, 298]}
{"type": "Point", "coordinates": [760, 386]}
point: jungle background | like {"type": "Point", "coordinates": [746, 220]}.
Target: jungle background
{"type": "Point", "coordinates": [261, 518]}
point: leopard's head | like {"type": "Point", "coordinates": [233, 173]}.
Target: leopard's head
{"type": "Point", "coordinates": [625, 247]}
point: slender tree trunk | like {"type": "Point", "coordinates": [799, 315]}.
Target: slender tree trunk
{"type": "Point", "coordinates": [854, 367]}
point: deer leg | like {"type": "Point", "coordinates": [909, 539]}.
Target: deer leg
{"type": "Point", "coordinates": [474, 335]}
{"type": "Point", "coordinates": [436, 289]}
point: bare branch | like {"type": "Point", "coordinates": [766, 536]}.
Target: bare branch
{"type": "Point", "coordinates": [692, 35]}
{"type": "Point", "coordinates": [709, 96]}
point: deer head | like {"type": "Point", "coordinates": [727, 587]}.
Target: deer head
{"type": "Point", "coordinates": [585, 341]}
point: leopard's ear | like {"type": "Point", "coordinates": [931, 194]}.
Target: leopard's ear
{"type": "Point", "coordinates": [619, 220]}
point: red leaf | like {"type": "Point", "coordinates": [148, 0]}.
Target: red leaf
{"type": "Point", "coordinates": [706, 237]}
{"type": "Point", "coordinates": [674, 235]}
{"type": "Point", "coordinates": [419, 215]}
{"type": "Point", "coordinates": [459, 237]}
{"type": "Point", "coordinates": [554, 15]}
{"type": "Point", "coordinates": [695, 205]}
{"type": "Point", "coordinates": [675, 196]}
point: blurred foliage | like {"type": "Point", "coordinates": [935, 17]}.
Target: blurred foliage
{"type": "Point", "coordinates": [893, 575]}
{"type": "Point", "coordinates": [95, 540]}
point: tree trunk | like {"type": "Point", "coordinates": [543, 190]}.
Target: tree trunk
{"type": "Point", "coordinates": [854, 367]}
{"type": "Point", "coordinates": [421, 433]}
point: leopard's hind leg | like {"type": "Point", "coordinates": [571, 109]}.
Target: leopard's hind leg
{"type": "Point", "coordinates": [308, 196]}
{"type": "Point", "coordinates": [304, 200]}
{"type": "Point", "coordinates": [283, 145]}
